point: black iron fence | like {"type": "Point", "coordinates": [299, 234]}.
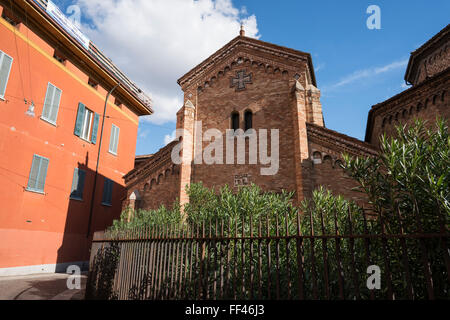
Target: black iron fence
{"type": "Point", "coordinates": [292, 257]}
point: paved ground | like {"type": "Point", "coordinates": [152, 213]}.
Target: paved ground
{"type": "Point", "coordinates": [47, 286]}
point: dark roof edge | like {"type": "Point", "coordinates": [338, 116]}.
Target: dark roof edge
{"type": "Point", "coordinates": [125, 86]}
{"type": "Point", "coordinates": [342, 136]}
{"type": "Point", "coordinates": [421, 49]}
{"type": "Point", "coordinates": [151, 158]}
{"type": "Point", "coordinates": [379, 106]}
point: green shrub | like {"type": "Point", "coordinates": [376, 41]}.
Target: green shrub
{"type": "Point", "coordinates": [407, 186]}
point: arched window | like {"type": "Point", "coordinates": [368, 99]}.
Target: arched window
{"type": "Point", "coordinates": [317, 157]}
{"type": "Point", "coordinates": [248, 117]}
{"type": "Point", "coordinates": [235, 121]}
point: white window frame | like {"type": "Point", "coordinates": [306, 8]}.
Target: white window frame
{"type": "Point", "coordinates": [2, 54]}
{"type": "Point", "coordinates": [113, 138]}
{"type": "Point", "coordinates": [45, 99]}
{"type": "Point", "coordinates": [86, 122]}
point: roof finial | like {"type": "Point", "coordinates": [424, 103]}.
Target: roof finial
{"type": "Point", "coordinates": [242, 32]}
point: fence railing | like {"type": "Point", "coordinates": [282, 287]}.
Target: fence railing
{"type": "Point", "coordinates": [292, 257]}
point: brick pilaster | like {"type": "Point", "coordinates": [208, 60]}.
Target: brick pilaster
{"type": "Point", "coordinates": [298, 99]}
{"type": "Point", "coordinates": [314, 107]}
{"type": "Point", "coordinates": [186, 120]}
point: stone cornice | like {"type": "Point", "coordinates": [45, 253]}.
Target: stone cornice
{"type": "Point", "coordinates": [280, 54]}
{"type": "Point", "coordinates": [428, 46]}
{"type": "Point", "coordinates": [338, 140]}
{"type": "Point", "coordinates": [157, 161]}
{"type": "Point", "coordinates": [414, 95]}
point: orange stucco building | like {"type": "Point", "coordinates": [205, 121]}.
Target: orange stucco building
{"type": "Point", "coordinates": [52, 97]}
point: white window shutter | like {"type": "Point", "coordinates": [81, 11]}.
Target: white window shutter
{"type": "Point", "coordinates": [42, 174]}
{"type": "Point", "coordinates": [116, 140]}
{"type": "Point", "coordinates": [55, 104]}
{"type": "Point", "coordinates": [51, 103]}
{"type": "Point", "coordinates": [5, 68]}
{"type": "Point", "coordinates": [34, 172]}
{"type": "Point", "coordinates": [38, 173]}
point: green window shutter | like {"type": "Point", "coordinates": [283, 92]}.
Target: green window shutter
{"type": "Point", "coordinates": [110, 192]}
{"type": "Point", "coordinates": [38, 174]}
{"type": "Point", "coordinates": [74, 190]}
{"type": "Point", "coordinates": [81, 178]}
{"type": "Point", "coordinates": [95, 128]}
{"type": "Point", "coordinates": [79, 121]}
{"type": "Point", "coordinates": [105, 182]}
{"type": "Point", "coordinates": [5, 68]}
{"type": "Point", "coordinates": [77, 184]}
{"type": "Point", "coordinates": [107, 191]}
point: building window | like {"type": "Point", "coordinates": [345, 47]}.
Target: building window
{"type": "Point", "coordinates": [77, 184]}
{"type": "Point", "coordinates": [107, 192]}
{"type": "Point", "coordinates": [38, 173]}
{"type": "Point", "coordinates": [8, 16]}
{"type": "Point", "coordinates": [86, 125]}
{"type": "Point", "coordinates": [235, 121]}
{"type": "Point", "coordinates": [317, 157]}
{"type": "Point", "coordinates": [93, 83]}
{"type": "Point", "coordinates": [5, 68]}
{"type": "Point", "coordinates": [117, 102]}
{"type": "Point", "coordinates": [59, 56]}
{"type": "Point", "coordinates": [51, 104]}
{"type": "Point", "coordinates": [114, 139]}
{"type": "Point", "coordinates": [248, 117]}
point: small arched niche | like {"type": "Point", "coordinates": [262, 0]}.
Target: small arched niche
{"type": "Point", "coordinates": [317, 157]}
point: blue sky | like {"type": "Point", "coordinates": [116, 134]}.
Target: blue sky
{"type": "Point", "coordinates": [355, 67]}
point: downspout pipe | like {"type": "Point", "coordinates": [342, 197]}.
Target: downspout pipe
{"type": "Point", "coordinates": [91, 210]}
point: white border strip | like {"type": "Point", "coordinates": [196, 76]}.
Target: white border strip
{"type": "Point", "coordinates": [42, 268]}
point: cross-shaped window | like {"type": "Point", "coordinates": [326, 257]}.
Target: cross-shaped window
{"type": "Point", "coordinates": [240, 80]}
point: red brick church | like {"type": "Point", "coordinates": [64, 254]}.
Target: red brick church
{"type": "Point", "coordinates": [251, 84]}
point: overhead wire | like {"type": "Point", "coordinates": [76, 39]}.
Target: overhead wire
{"type": "Point", "coordinates": [17, 52]}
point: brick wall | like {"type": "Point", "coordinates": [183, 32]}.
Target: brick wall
{"type": "Point", "coordinates": [326, 148]}
{"type": "Point", "coordinates": [434, 62]}
{"type": "Point", "coordinates": [268, 98]}
{"type": "Point", "coordinates": [426, 101]}
{"type": "Point", "coordinates": [153, 183]}
{"type": "Point", "coordinates": [280, 96]}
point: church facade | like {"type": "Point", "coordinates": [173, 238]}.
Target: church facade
{"type": "Point", "coordinates": [251, 84]}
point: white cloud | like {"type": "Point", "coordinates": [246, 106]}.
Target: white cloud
{"type": "Point", "coordinates": [366, 73]}
{"type": "Point", "coordinates": [156, 42]}
{"type": "Point", "coordinates": [320, 66]}
{"type": "Point", "coordinates": [142, 133]}
{"type": "Point", "coordinates": [169, 137]}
